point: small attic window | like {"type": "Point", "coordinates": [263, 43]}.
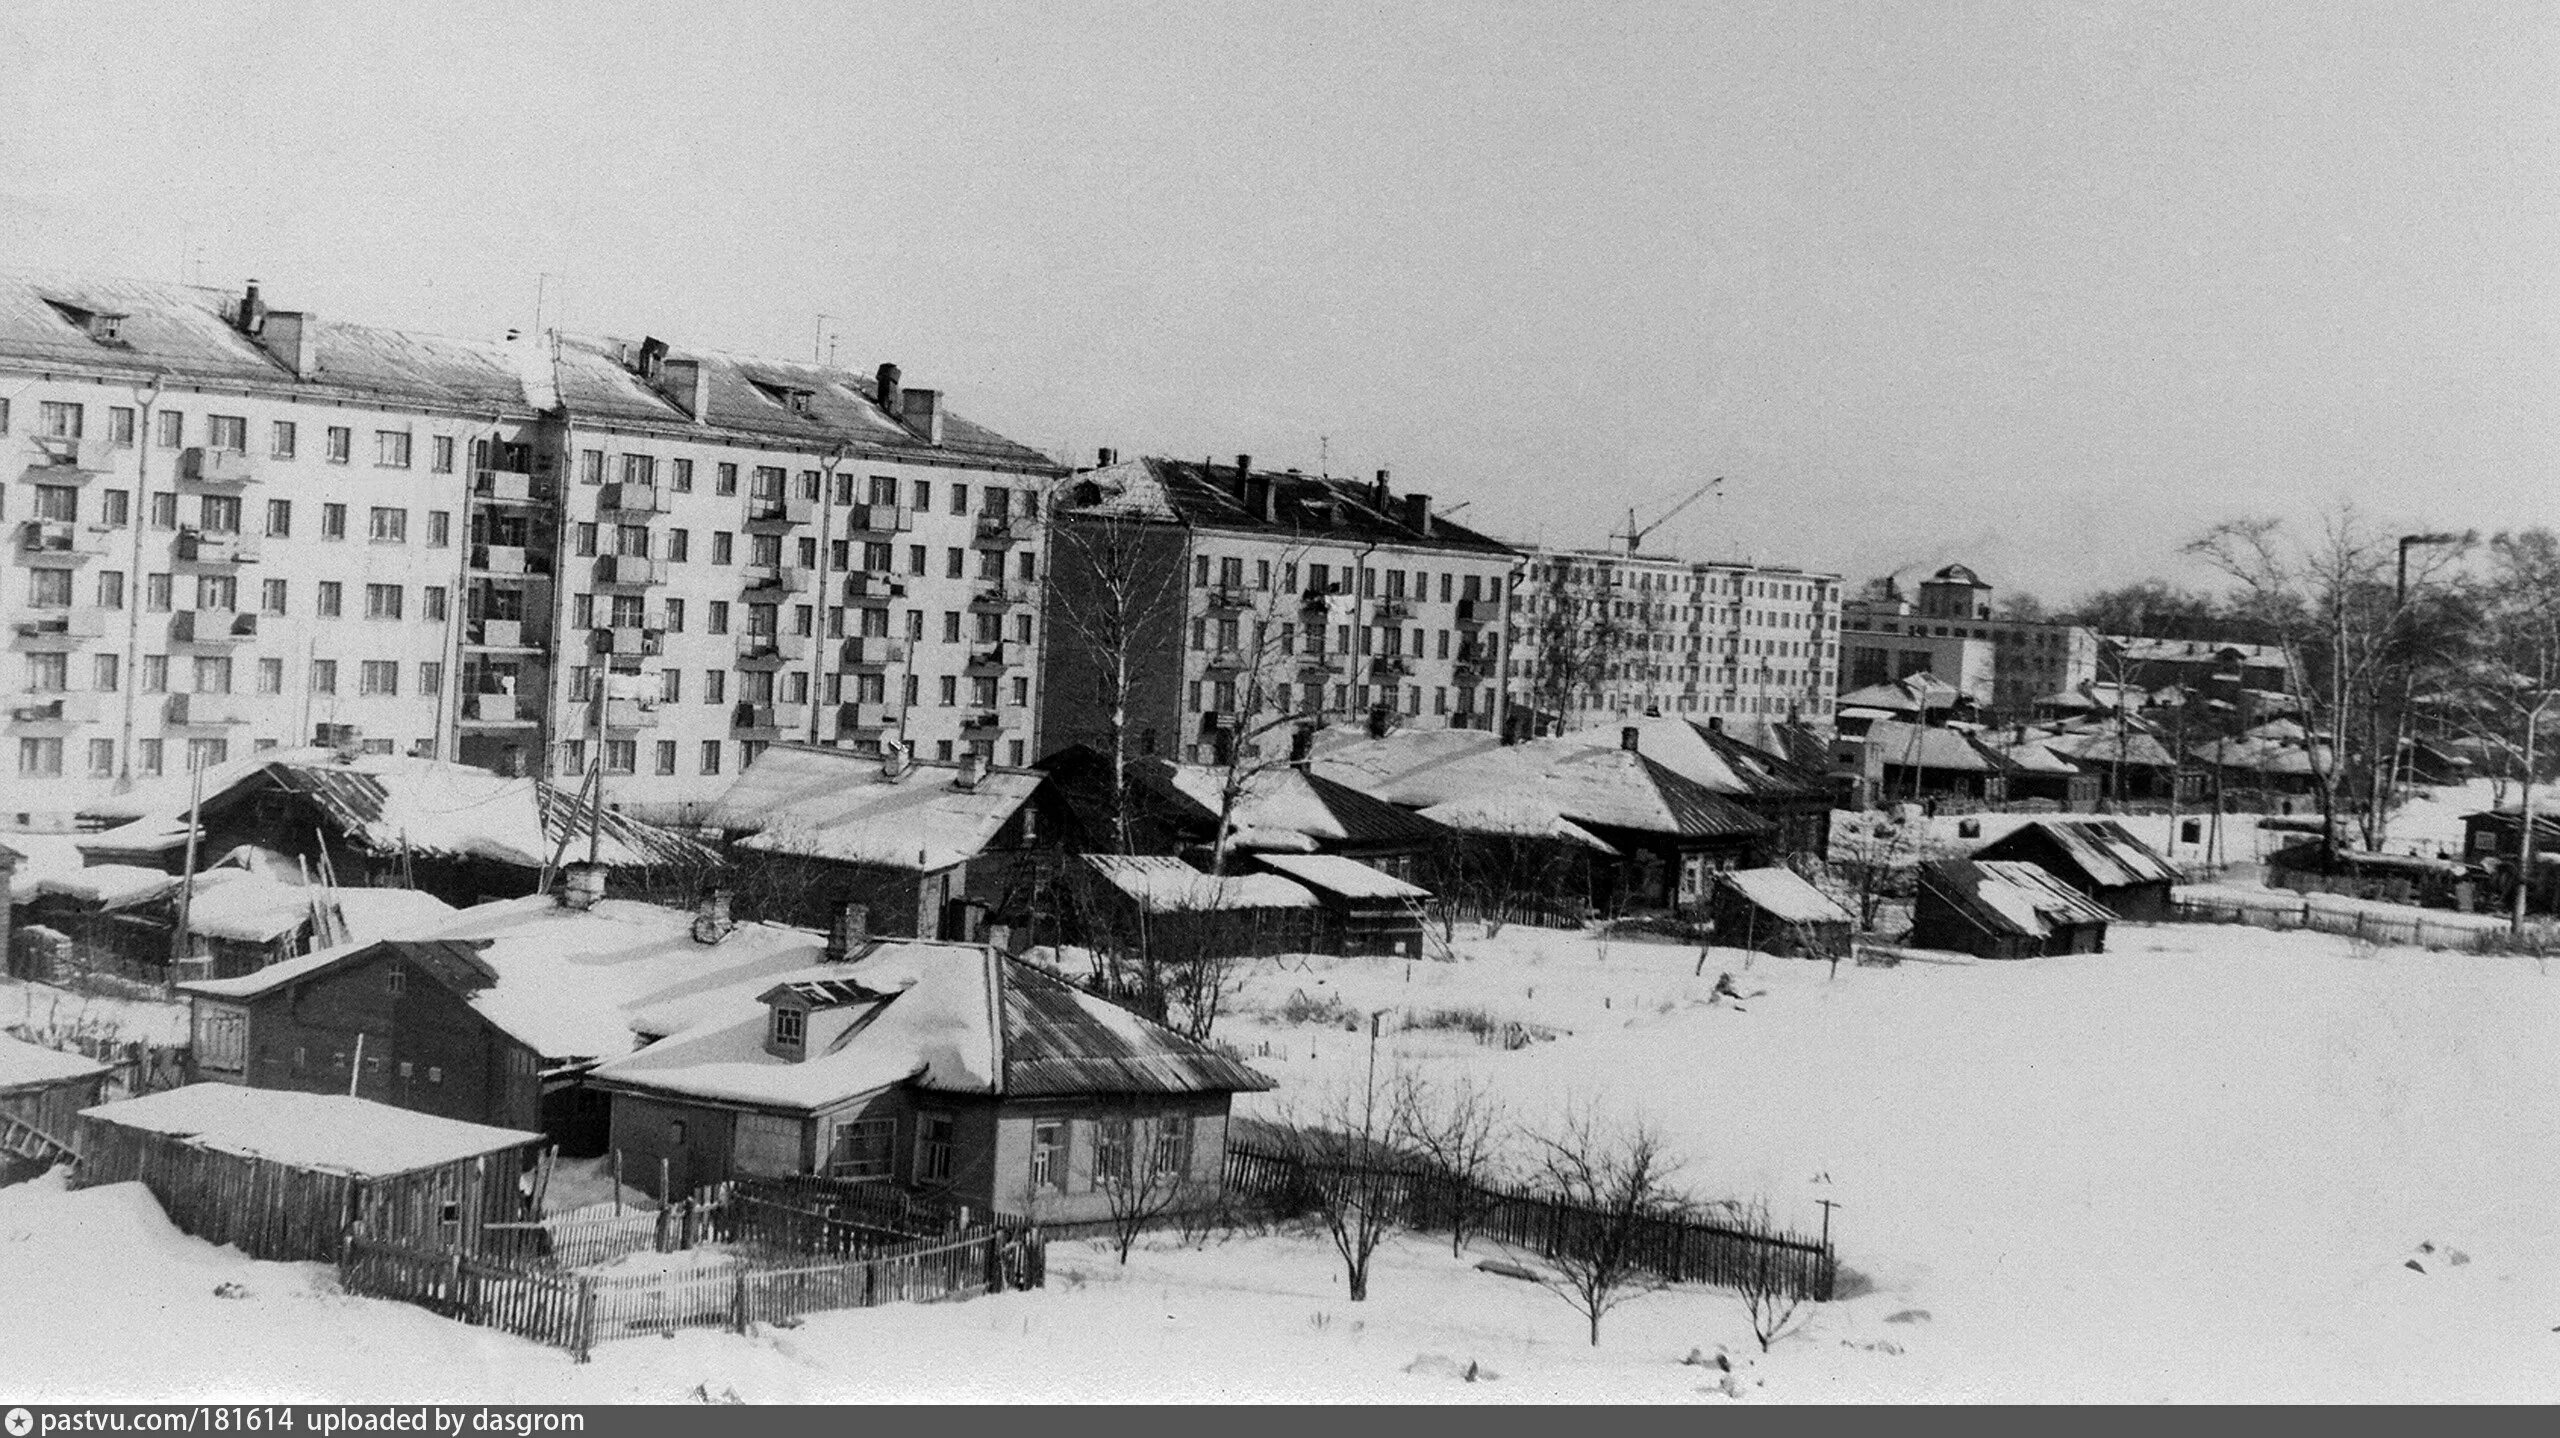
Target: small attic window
{"type": "Point", "coordinates": [790, 1027]}
{"type": "Point", "coordinates": [104, 326]}
{"type": "Point", "coordinates": [795, 400]}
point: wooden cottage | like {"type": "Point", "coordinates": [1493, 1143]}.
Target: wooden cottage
{"type": "Point", "coordinates": [1165, 906]}
{"type": "Point", "coordinates": [1913, 763]}
{"type": "Point", "coordinates": [1776, 912]}
{"type": "Point", "coordinates": [2100, 858]}
{"type": "Point", "coordinates": [285, 1176]}
{"type": "Point", "coordinates": [946, 1068]}
{"type": "Point", "coordinates": [2004, 909]}
{"type": "Point", "coordinates": [1360, 910]}
{"type": "Point", "coordinates": [42, 1092]}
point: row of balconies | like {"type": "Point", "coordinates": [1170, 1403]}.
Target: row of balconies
{"type": "Point", "coordinates": [1381, 611]}
{"type": "Point", "coordinates": [56, 542]}
{"type": "Point", "coordinates": [509, 486]}
{"type": "Point", "coordinates": [509, 561]}
{"type": "Point", "coordinates": [193, 710]}
{"type": "Point", "coordinates": [69, 460]}
{"type": "Point", "coordinates": [60, 628]}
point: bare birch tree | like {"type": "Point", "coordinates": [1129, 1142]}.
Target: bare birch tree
{"type": "Point", "coordinates": [1461, 1132]}
{"type": "Point", "coordinates": [1115, 587]}
{"type": "Point", "coordinates": [1621, 1178]}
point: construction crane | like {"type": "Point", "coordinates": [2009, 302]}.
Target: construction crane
{"type": "Point", "coordinates": [1635, 537]}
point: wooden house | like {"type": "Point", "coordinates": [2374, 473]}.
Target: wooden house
{"type": "Point", "coordinates": [1161, 904]}
{"type": "Point", "coordinates": [285, 1176]}
{"type": "Point", "coordinates": [1776, 912]}
{"type": "Point", "coordinates": [941, 1067]}
{"type": "Point", "coordinates": [2100, 858]}
{"type": "Point", "coordinates": [2003, 909]}
{"type": "Point", "coordinates": [42, 1092]}
{"type": "Point", "coordinates": [1360, 910]}
{"type": "Point", "coordinates": [1914, 763]}
{"type": "Point", "coordinates": [1288, 809]}
{"type": "Point", "coordinates": [929, 849]}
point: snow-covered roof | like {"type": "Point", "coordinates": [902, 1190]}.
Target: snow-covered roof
{"type": "Point", "coordinates": [1348, 877]}
{"type": "Point", "coordinates": [1784, 894]}
{"type": "Point", "coordinates": [108, 886]}
{"type": "Point", "coordinates": [2016, 895]}
{"type": "Point", "coordinates": [1502, 789]}
{"type": "Point", "coordinates": [41, 856]}
{"type": "Point", "coordinates": [835, 804]}
{"type": "Point", "coordinates": [1918, 746]}
{"type": "Point", "coordinates": [2102, 849]}
{"type": "Point", "coordinates": [1164, 885]}
{"type": "Point", "coordinates": [1290, 810]}
{"type": "Point", "coordinates": [1347, 755]}
{"type": "Point", "coordinates": [329, 1132]}
{"type": "Point", "coordinates": [255, 906]}
{"type": "Point", "coordinates": [26, 1065]}
{"type": "Point", "coordinates": [957, 1018]}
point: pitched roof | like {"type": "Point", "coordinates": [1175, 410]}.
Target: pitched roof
{"type": "Point", "coordinates": [2105, 851]}
{"type": "Point", "coordinates": [1920, 746]}
{"type": "Point", "coordinates": [333, 1133]}
{"type": "Point", "coordinates": [1287, 808]}
{"type": "Point", "coordinates": [1061, 1040]}
{"type": "Point", "coordinates": [1910, 694]}
{"type": "Point", "coordinates": [834, 804]}
{"type": "Point", "coordinates": [1785, 894]}
{"type": "Point", "coordinates": [1594, 787]}
{"type": "Point", "coordinates": [1339, 511]}
{"type": "Point", "coordinates": [1335, 874]}
{"type": "Point", "coordinates": [26, 1065]}
{"type": "Point", "coordinates": [2012, 896]}
{"type": "Point", "coordinates": [1346, 754]}
{"type": "Point", "coordinates": [1162, 884]}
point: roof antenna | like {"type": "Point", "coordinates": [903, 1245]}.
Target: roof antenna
{"type": "Point", "coordinates": [821, 343]}
{"type": "Point", "coordinates": [1324, 457]}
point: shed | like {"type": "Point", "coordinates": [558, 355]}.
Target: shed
{"type": "Point", "coordinates": [1777, 912]}
{"type": "Point", "coordinates": [42, 1092]}
{"type": "Point", "coordinates": [283, 1175]}
{"type": "Point", "coordinates": [1173, 908]}
{"type": "Point", "coordinates": [2004, 909]}
{"type": "Point", "coordinates": [1364, 910]}
{"type": "Point", "coordinates": [2099, 857]}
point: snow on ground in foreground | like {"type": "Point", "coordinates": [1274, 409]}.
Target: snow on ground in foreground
{"type": "Point", "coordinates": [2188, 1169]}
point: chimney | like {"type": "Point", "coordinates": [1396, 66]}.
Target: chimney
{"type": "Point", "coordinates": [1378, 497]}
{"type": "Point", "coordinates": [1244, 471]}
{"type": "Point", "coordinates": [922, 411]}
{"type": "Point", "coordinates": [884, 390]}
{"type": "Point", "coordinates": [1377, 723]}
{"type": "Point", "coordinates": [1258, 498]}
{"type": "Point", "coordinates": [1000, 938]}
{"type": "Point", "coordinates": [850, 932]}
{"type": "Point", "coordinates": [1628, 737]}
{"type": "Point", "coordinates": [1105, 457]}
{"type": "Point", "coordinates": [292, 336]}
{"type": "Point", "coordinates": [711, 921]}
{"type": "Point", "coordinates": [688, 383]}
{"type": "Point", "coordinates": [581, 885]}
{"type": "Point", "coordinates": [1715, 723]}
{"type": "Point", "coordinates": [653, 356]}
{"type": "Point", "coordinates": [253, 311]}
{"type": "Point", "coordinates": [1417, 514]}
{"type": "Point", "coordinates": [1302, 746]}
{"type": "Point", "coordinates": [973, 768]}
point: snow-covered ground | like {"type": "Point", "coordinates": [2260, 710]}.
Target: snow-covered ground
{"type": "Point", "coordinates": [2191, 1168]}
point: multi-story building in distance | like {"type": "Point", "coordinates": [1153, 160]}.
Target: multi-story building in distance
{"type": "Point", "coordinates": [2003, 665]}
{"type": "Point", "coordinates": [1599, 635]}
{"type": "Point", "coordinates": [1290, 598]}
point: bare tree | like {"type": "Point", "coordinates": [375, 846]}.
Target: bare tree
{"type": "Point", "coordinates": [1873, 859]}
{"type": "Point", "coordinates": [1574, 636]}
{"type": "Point", "coordinates": [1115, 603]}
{"type": "Point", "coordinates": [1620, 1178]}
{"type": "Point", "coordinates": [1773, 1296]}
{"type": "Point", "coordinates": [1461, 1132]}
{"type": "Point", "coordinates": [1253, 661]}
{"type": "Point", "coordinates": [1355, 1185]}
{"type": "Point", "coordinates": [1143, 1164]}
{"type": "Point", "coordinates": [2514, 674]}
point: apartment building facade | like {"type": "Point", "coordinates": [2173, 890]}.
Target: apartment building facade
{"type": "Point", "coordinates": [2005, 665]}
{"type": "Point", "coordinates": [1290, 598]}
{"type": "Point", "coordinates": [1599, 635]}
{"type": "Point", "coordinates": [228, 528]}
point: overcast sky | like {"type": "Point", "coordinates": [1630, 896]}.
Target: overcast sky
{"type": "Point", "coordinates": [2044, 288]}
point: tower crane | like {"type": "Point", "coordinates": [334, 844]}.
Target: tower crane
{"type": "Point", "coordinates": [1635, 537]}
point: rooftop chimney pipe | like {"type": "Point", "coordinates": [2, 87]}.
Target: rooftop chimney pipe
{"type": "Point", "coordinates": [1628, 738]}
{"type": "Point", "coordinates": [253, 311]}
{"type": "Point", "coordinates": [1105, 458]}
{"type": "Point", "coordinates": [1244, 470]}
{"type": "Point", "coordinates": [1380, 503]}
{"type": "Point", "coordinates": [885, 391]}
{"type": "Point", "coordinates": [851, 931]}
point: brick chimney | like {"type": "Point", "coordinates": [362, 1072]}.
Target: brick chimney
{"type": "Point", "coordinates": [885, 391]}
{"type": "Point", "coordinates": [687, 382]}
{"type": "Point", "coordinates": [973, 770]}
{"type": "Point", "coordinates": [1105, 457]}
{"type": "Point", "coordinates": [921, 409]}
{"type": "Point", "coordinates": [1417, 514]}
{"type": "Point", "coordinates": [850, 932]}
{"type": "Point", "coordinates": [711, 921]}
{"type": "Point", "coordinates": [292, 336]}
{"type": "Point", "coordinates": [1378, 493]}
{"type": "Point", "coordinates": [1629, 738]}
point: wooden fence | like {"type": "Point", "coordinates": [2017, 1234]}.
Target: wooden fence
{"type": "Point", "coordinates": [576, 1311]}
{"type": "Point", "coordinates": [1727, 1251]}
{"type": "Point", "coordinates": [2352, 921]}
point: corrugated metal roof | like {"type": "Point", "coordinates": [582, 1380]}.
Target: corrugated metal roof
{"type": "Point", "coordinates": [1337, 874]}
{"type": "Point", "coordinates": [1785, 894]}
{"type": "Point", "coordinates": [2011, 896]}
{"type": "Point", "coordinates": [1059, 1040]}
{"type": "Point", "coordinates": [1165, 885]}
{"type": "Point", "coordinates": [835, 804]}
{"type": "Point", "coordinates": [2102, 849]}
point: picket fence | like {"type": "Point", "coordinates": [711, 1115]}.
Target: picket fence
{"type": "Point", "coordinates": [2354, 922]}
{"type": "Point", "coordinates": [577, 1310]}
{"type": "Point", "coordinates": [1727, 1252]}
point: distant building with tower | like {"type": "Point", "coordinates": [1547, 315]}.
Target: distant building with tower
{"type": "Point", "coordinates": [2003, 665]}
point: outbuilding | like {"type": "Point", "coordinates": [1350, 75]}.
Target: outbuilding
{"type": "Point", "coordinates": [42, 1091]}
{"type": "Point", "coordinates": [1777, 912]}
{"type": "Point", "coordinates": [1360, 909]}
{"type": "Point", "coordinates": [2099, 857]}
{"type": "Point", "coordinates": [2004, 909]}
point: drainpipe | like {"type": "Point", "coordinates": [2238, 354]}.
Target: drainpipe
{"type": "Point", "coordinates": [136, 582]}
{"type": "Point", "coordinates": [818, 623]}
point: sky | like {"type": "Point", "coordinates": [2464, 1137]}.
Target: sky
{"type": "Point", "coordinates": [2046, 289]}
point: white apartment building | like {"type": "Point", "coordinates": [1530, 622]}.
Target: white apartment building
{"type": "Point", "coordinates": [1599, 635]}
{"type": "Point", "coordinates": [2004, 665]}
{"type": "Point", "coordinates": [228, 528]}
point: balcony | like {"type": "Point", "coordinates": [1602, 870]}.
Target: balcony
{"type": "Point", "coordinates": [1225, 661]}
{"type": "Point", "coordinates": [1393, 611]}
{"type": "Point", "coordinates": [625, 503]}
{"type": "Point", "coordinates": [630, 570]}
{"type": "Point", "coordinates": [983, 721]}
{"type": "Point", "coordinates": [508, 486]}
{"type": "Point", "coordinates": [624, 714]}
{"type": "Point", "coordinates": [865, 718]}
{"type": "Point", "coordinates": [1390, 666]}
{"type": "Point", "coordinates": [61, 628]}
{"type": "Point", "coordinates": [197, 547]}
{"type": "Point", "coordinates": [1478, 611]}
{"type": "Point", "coordinates": [502, 633]}
{"type": "Point", "coordinates": [776, 580]}
{"type": "Point", "coordinates": [204, 468]}
{"type": "Point", "coordinates": [989, 659]}
{"type": "Point", "coordinates": [995, 531]}
{"type": "Point", "coordinates": [882, 519]}
{"type": "Point", "coordinates": [1229, 597]}
{"type": "Point", "coordinates": [55, 709]}
{"type": "Point", "coordinates": [1319, 598]}
{"type": "Point", "coordinates": [1319, 666]}
{"type": "Point", "coordinates": [53, 542]}
{"type": "Point", "coordinates": [208, 628]}
{"type": "Point", "coordinates": [1466, 676]}
{"type": "Point", "coordinates": [769, 651]}
{"type": "Point", "coordinates": [505, 561]}
{"type": "Point", "coordinates": [205, 710]}
{"type": "Point", "coordinates": [771, 721]}
{"type": "Point", "coordinates": [999, 596]}
{"type": "Point", "coordinates": [68, 459]}
{"type": "Point", "coordinates": [873, 651]}
{"type": "Point", "coordinates": [766, 515]}
{"type": "Point", "coordinates": [512, 711]}
{"type": "Point", "coordinates": [628, 641]}
{"type": "Point", "coordinates": [872, 588]}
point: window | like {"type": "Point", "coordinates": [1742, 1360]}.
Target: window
{"type": "Point", "coordinates": [439, 529]}
{"type": "Point", "coordinates": [213, 674]}
{"type": "Point", "coordinates": [430, 677]}
{"type": "Point", "coordinates": [666, 756]}
{"type": "Point", "coordinates": [218, 514]}
{"type": "Point", "coordinates": [173, 428]}
{"type": "Point", "coordinates": [1049, 1155]}
{"type": "Point", "coordinates": [106, 673]}
{"type": "Point", "coordinates": [280, 439]}
{"type": "Point", "coordinates": [1110, 1153]}
{"type": "Point", "coordinates": [40, 758]}
{"type": "Point", "coordinates": [279, 518]}
{"type": "Point", "coordinates": [715, 685]}
{"type": "Point", "coordinates": [57, 420]}
{"type": "Point", "coordinates": [164, 511]}
{"type": "Point", "coordinates": [863, 1149]}
{"type": "Point", "coordinates": [390, 526]}
{"type": "Point", "coordinates": [332, 599]}
{"type": "Point", "coordinates": [621, 756]}
{"type": "Point", "coordinates": [1173, 1146]}
{"type": "Point", "coordinates": [955, 563]}
{"type": "Point", "coordinates": [382, 601]}
{"type": "Point", "coordinates": [934, 1134]}
{"type": "Point", "coordinates": [722, 546]}
{"type": "Point", "coordinates": [48, 673]}
{"type": "Point", "coordinates": [679, 545]}
{"type": "Point", "coordinates": [590, 466]}
{"type": "Point", "coordinates": [333, 521]}
{"type": "Point", "coordinates": [228, 433]}
{"type": "Point", "coordinates": [715, 618]}
{"type": "Point", "coordinates": [790, 1027]}
{"type": "Point", "coordinates": [119, 424]}
{"type": "Point", "coordinates": [710, 756]}
{"type": "Point", "coordinates": [342, 444]}
{"type": "Point", "coordinates": [114, 510]}
{"type": "Point", "coordinates": [724, 480]}
{"type": "Point", "coordinates": [675, 619]}
{"type": "Point", "coordinates": [435, 609]}
{"type": "Point", "coordinates": [270, 676]}
{"type": "Point", "coordinates": [442, 454]}
{"type": "Point", "coordinates": [680, 477]}
{"type": "Point", "coordinates": [959, 499]}
{"type": "Point", "coordinates": [155, 592]}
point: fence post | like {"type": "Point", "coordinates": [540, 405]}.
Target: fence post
{"type": "Point", "coordinates": [738, 1309]}
{"type": "Point", "coordinates": [583, 1334]}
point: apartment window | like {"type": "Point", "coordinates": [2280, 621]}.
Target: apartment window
{"type": "Point", "coordinates": [57, 502]}
{"type": "Point", "coordinates": [435, 603]}
{"type": "Point", "coordinates": [679, 545]}
{"type": "Point", "coordinates": [959, 499]}
{"type": "Point", "coordinates": [332, 599]}
{"type": "Point", "coordinates": [590, 466]}
{"type": "Point", "coordinates": [586, 541]}
{"type": "Point", "coordinates": [680, 477]}
{"type": "Point", "coordinates": [723, 546]}
{"type": "Point", "coordinates": [674, 617]}
{"type": "Point", "coordinates": [156, 590]}
{"type": "Point", "coordinates": [715, 690]}
{"type": "Point", "coordinates": [950, 691]}
{"type": "Point", "coordinates": [621, 756]}
{"type": "Point", "coordinates": [639, 469]}
{"type": "Point", "coordinates": [950, 626]}
{"type": "Point", "coordinates": [864, 1148]}
{"type": "Point", "coordinates": [710, 756]}
{"type": "Point", "coordinates": [1028, 566]}
{"type": "Point", "coordinates": [115, 508]}
{"type": "Point", "coordinates": [173, 428]}
{"type": "Point", "coordinates": [48, 673]}
{"type": "Point", "coordinates": [382, 601]}
{"type": "Point", "coordinates": [333, 521]}
{"type": "Point", "coordinates": [582, 611]}
{"type": "Point", "coordinates": [716, 616]}
{"type": "Point", "coordinates": [155, 673]}
{"type": "Point", "coordinates": [270, 676]}
{"type": "Point", "coordinates": [390, 526]}
{"type": "Point", "coordinates": [724, 480]}
{"type": "Point", "coordinates": [280, 439]}
{"type": "Point", "coordinates": [164, 511]}
{"type": "Point", "coordinates": [279, 518]}
{"type": "Point", "coordinates": [102, 758]}
{"type": "Point", "coordinates": [228, 433]}
{"type": "Point", "coordinates": [218, 514]}
{"type": "Point", "coordinates": [217, 591]}
{"type": "Point", "coordinates": [378, 676]}
{"type": "Point", "coordinates": [106, 673]}
{"type": "Point", "coordinates": [213, 674]}
{"type": "Point", "coordinates": [877, 557]}
{"type": "Point", "coordinates": [955, 563]}
{"type": "Point", "coordinates": [342, 444]}
{"type": "Point", "coordinates": [666, 754]}
{"type": "Point", "coordinates": [40, 758]}
{"type": "Point", "coordinates": [439, 529]}
{"type": "Point", "coordinates": [934, 1135]}
{"type": "Point", "coordinates": [573, 760]}
{"type": "Point", "coordinates": [58, 420]}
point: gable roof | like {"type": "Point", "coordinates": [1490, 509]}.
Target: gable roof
{"type": "Point", "coordinates": [2011, 896]}
{"type": "Point", "coordinates": [2103, 850]}
{"type": "Point", "coordinates": [1288, 808]}
{"type": "Point", "coordinates": [1919, 746]}
{"type": "Point", "coordinates": [332, 1133]}
{"type": "Point", "coordinates": [1785, 894]}
{"type": "Point", "coordinates": [1161, 884]}
{"type": "Point", "coordinates": [1305, 506]}
{"type": "Point", "coordinates": [1569, 778]}
{"type": "Point", "coordinates": [1911, 694]}
{"type": "Point", "coordinates": [834, 804]}
{"type": "Point", "coordinates": [1348, 877]}
{"type": "Point", "coordinates": [1346, 754]}
{"type": "Point", "coordinates": [1061, 1040]}
{"type": "Point", "coordinates": [26, 1065]}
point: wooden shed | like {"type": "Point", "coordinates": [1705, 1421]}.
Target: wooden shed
{"type": "Point", "coordinates": [2004, 909]}
{"type": "Point", "coordinates": [42, 1092]}
{"type": "Point", "coordinates": [1173, 909]}
{"type": "Point", "coordinates": [1360, 909]}
{"type": "Point", "coordinates": [284, 1175]}
{"type": "Point", "coordinates": [1777, 912]}
{"type": "Point", "coordinates": [2099, 857]}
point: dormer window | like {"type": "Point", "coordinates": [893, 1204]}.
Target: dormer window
{"type": "Point", "coordinates": [790, 1028]}
{"type": "Point", "coordinates": [789, 397]}
{"type": "Point", "coordinates": [104, 326]}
